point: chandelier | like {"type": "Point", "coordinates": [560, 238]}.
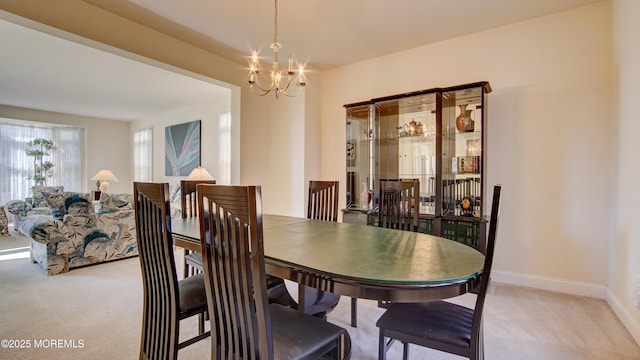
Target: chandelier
{"type": "Point", "coordinates": [280, 79]}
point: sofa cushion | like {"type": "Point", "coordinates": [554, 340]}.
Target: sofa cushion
{"type": "Point", "coordinates": [60, 202]}
{"type": "Point", "coordinates": [39, 199]}
{"type": "Point", "coordinates": [83, 208]}
{"type": "Point", "coordinates": [115, 202]}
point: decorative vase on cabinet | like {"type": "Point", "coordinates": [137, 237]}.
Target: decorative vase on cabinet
{"type": "Point", "coordinates": [464, 122]}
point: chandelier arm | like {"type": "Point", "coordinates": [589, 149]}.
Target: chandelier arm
{"type": "Point", "coordinates": [284, 89]}
{"type": "Point", "coordinates": [253, 91]}
{"type": "Point", "coordinates": [293, 95]}
{"type": "Point", "coordinates": [256, 83]}
{"type": "Point", "coordinates": [261, 87]}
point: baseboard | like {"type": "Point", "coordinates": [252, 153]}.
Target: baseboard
{"type": "Point", "coordinates": [551, 284]}
{"type": "Point", "coordinates": [632, 326]}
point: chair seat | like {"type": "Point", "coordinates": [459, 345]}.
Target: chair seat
{"type": "Point", "coordinates": [192, 294]}
{"type": "Point", "coordinates": [439, 321]}
{"type": "Point", "coordinates": [299, 336]}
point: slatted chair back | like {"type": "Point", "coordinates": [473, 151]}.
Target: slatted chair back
{"type": "Point", "coordinates": [443, 325]}
{"type": "Point", "coordinates": [246, 327]}
{"type": "Point", "coordinates": [476, 327]}
{"type": "Point", "coordinates": [234, 270]}
{"type": "Point", "coordinates": [188, 198]}
{"type": "Point", "coordinates": [189, 202]}
{"type": "Point", "coordinates": [160, 286]}
{"type": "Point", "coordinates": [323, 200]}
{"type": "Point", "coordinates": [398, 204]}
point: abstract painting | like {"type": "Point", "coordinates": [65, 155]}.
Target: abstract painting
{"type": "Point", "coordinates": [182, 148]}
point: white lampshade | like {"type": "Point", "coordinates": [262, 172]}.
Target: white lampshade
{"type": "Point", "coordinates": [200, 173]}
{"type": "Point", "coordinates": [104, 176]}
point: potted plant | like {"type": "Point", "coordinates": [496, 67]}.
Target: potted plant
{"type": "Point", "coordinates": [42, 169]}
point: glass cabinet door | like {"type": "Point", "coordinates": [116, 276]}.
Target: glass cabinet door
{"type": "Point", "coordinates": [417, 146]}
{"type": "Point", "coordinates": [359, 157]}
{"type": "Point", "coordinates": [462, 144]}
{"type": "Point", "coordinates": [405, 144]}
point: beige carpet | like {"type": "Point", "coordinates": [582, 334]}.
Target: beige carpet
{"type": "Point", "coordinates": [97, 311]}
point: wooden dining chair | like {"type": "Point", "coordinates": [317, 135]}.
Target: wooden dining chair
{"type": "Point", "coordinates": [398, 207]}
{"type": "Point", "coordinates": [189, 203]}
{"type": "Point", "coordinates": [323, 200]}
{"type": "Point", "coordinates": [322, 205]}
{"type": "Point", "coordinates": [166, 300]}
{"type": "Point", "coordinates": [398, 201]}
{"type": "Point", "coordinates": [188, 198]}
{"type": "Point", "coordinates": [442, 325]}
{"type": "Point", "coordinates": [234, 266]}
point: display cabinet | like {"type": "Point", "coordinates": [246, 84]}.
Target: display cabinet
{"type": "Point", "coordinates": [436, 136]}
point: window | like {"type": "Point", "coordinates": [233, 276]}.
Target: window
{"type": "Point", "coordinates": [224, 148]}
{"type": "Point", "coordinates": [16, 167]}
{"type": "Point", "coordinates": [68, 158]}
{"type": "Point", "coordinates": [143, 155]}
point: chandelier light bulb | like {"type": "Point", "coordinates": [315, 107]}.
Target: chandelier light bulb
{"type": "Point", "coordinates": [290, 71]}
{"type": "Point", "coordinates": [254, 61]}
{"type": "Point", "coordinates": [302, 79]}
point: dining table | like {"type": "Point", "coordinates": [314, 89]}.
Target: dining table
{"type": "Point", "coordinates": [357, 260]}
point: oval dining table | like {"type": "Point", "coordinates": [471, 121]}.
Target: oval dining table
{"type": "Point", "coordinates": [358, 260]}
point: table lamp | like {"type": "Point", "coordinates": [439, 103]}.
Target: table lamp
{"type": "Point", "coordinates": [199, 173]}
{"type": "Point", "coordinates": [104, 176]}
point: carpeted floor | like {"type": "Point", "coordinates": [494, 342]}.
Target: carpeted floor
{"type": "Point", "coordinates": [95, 313]}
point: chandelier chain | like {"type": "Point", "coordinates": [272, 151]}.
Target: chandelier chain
{"type": "Point", "coordinates": [275, 24]}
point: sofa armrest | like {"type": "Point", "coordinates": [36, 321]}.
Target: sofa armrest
{"type": "Point", "coordinates": [42, 228]}
{"type": "Point", "coordinates": [18, 207]}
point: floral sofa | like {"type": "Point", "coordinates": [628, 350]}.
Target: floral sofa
{"type": "Point", "coordinates": [76, 234]}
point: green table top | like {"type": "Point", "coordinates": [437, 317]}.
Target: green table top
{"type": "Point", "coordinates": [358, 253]}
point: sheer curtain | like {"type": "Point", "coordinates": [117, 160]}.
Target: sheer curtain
{"type": "Point", "coordinates": [143, 155]}
{"type": "Point", "coordinates": [224, 149]}
{"type": "Point", "coordinates": [16, 166]}
{"type": "Point", "coordinates": [68, 158]}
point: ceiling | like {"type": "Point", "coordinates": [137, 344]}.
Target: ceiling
{"type": "Point", "coordinates": [330, 33]}
{"type": "Point", "coordinates": [46, 72]}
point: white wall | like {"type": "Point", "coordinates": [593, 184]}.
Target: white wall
{"type": "Point", "coordinates": [208, 113]}
{"type": "Point", "coordinates": [625, 245]}
{"type": "Point", "coordinates": [274, 150]}
{"type": "Point", "coordinates": [313, 140]}
{"type": "Point", "coordinates": [550, 130]}
{"type": "Point", "coordinates": [280, 147]}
